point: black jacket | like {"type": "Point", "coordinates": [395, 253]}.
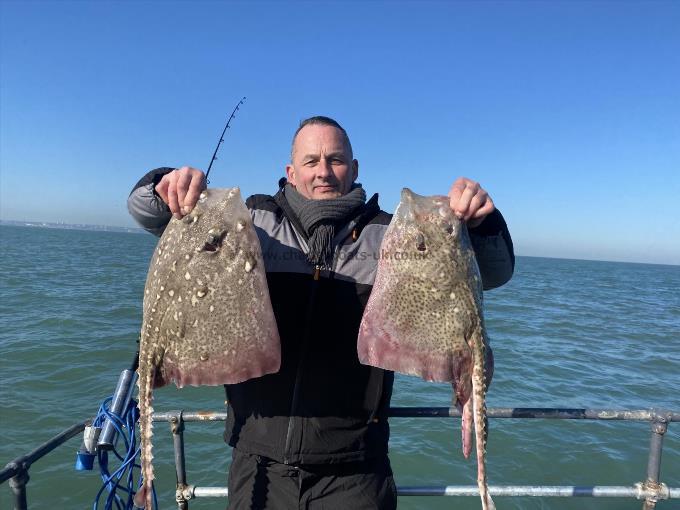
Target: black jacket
{"type": "Point", "coordinates": [323, 406]}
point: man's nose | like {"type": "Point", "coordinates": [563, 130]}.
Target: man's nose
{"type": "Point", "coordinates": [324, 168]}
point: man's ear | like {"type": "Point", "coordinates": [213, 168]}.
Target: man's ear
{"type": "Point", "coordinates": [355, 170]}
{"type": "Point", "coordinates": [290, 174]}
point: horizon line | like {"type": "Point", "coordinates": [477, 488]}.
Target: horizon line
{"type": "Point", "coordinates": [139, 230]}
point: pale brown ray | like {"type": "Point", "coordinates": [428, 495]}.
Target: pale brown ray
{"type": "Point", "coordinates": [208, 319]}
{"type": "Point", "coordinates": [424, 316]}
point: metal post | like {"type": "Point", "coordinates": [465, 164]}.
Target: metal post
{"type": "Point", "coordinates": [177, 427]}
{"type": "Point", "coordinates": [659, 426]}
{"type": "Point", "coordinates": [18, 485]}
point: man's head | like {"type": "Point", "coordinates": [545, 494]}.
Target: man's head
{"type": "Point", "coordinates": [321, 160]}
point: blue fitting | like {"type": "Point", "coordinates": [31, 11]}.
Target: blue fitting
{"type": "Point", "coordinates": [84, 461]}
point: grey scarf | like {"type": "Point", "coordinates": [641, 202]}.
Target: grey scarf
{"type": "Point", "coordinates": [320, 217]}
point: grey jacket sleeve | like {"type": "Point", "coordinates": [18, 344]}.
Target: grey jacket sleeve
{"type": "Point", "coordinates": [493, 248]}
{"type": "Point", "coordinates": [146, 207]}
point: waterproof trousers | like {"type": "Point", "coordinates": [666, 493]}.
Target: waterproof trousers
{"type": "Point", "coordinates": [259, 483]}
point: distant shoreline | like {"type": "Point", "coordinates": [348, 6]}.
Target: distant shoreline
{"type": "Point", "coordinates": [71, 226]}
{"type": "Point", "coordinates": [135, 230]}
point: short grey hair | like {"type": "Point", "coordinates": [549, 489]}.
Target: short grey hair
{"type": "Point", "coordinates": [321, 121]}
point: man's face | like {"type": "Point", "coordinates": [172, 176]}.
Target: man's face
{"type": "Point", "coordinates": [322, 165]}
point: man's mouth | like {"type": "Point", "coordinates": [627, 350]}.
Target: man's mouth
{"type": "Point", "coordinates": [325, 188]}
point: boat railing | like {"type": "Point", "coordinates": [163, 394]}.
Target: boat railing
{"type": "Point", "coordinates": [650, 491]}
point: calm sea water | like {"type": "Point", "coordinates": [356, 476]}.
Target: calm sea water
{"type": "Point", "coordinates": [566, 333]}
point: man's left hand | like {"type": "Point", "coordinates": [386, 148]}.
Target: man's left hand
{"type": "Point", "coordinates": [470, 202]}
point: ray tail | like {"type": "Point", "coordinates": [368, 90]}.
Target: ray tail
{"type": "Point", "coordinates": [479, 414]}
{"type": "Point", "coordinates": [147, 374]}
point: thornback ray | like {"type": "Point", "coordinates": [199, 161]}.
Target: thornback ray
{"type": "Point", "coordinates": [424, 316]}
{"type": "Point", "coordinates": [208, 318]}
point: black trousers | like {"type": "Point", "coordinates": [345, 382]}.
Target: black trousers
{"type": "Point", "coordinates": [259, 483]}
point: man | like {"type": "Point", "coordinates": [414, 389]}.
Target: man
{"type": "Point", "coordinates": [315, 434]}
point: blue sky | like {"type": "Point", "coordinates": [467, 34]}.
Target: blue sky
{"type": "Point", "coordinates": [568, 113]}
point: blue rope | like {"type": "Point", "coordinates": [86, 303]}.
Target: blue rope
{"type": "Point", "coordinates": [122, 479]}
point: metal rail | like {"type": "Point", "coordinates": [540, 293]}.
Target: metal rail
{"type": "Point", "coordinates": [652, 490]}
{"type": "Point", "coordinates": [563, 491]}
{"type": "Point", "coordinates": [17, 470]}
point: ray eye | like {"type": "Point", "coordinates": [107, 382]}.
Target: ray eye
{"type": "Point", "coordinates": [214, 241]}
{"type": "Point", "coordinates": [449, 229]}
{"type": "Point", "coordinates": [420, 242]}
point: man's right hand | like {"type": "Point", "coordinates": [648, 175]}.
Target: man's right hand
{"type": "Point", "coordinates": [180, 189]}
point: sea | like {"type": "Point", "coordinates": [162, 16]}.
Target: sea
{"type": "Point", "coordinates": [565, 333]}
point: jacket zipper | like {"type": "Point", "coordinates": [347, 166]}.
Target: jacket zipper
{"type": "Point", "coordinates": [298, 374]}
{"type": "Point", "coordinates": [305, 340]}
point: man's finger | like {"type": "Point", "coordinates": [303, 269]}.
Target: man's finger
{"type": "Point", "coordinates": [183, 181]}
{"type": "Point", "coordinates": [463, 206]}
{"type": "Point", "coordinates": [195, 187]}
{"type": "Point", "coordinates": [457, 189]}
{"type": "Point", "coordinates": [487, 208]}
{"type": "Point", "coordinates": [162, 189]}
{"type": "Point", "coordinates": [476, 203]}
{"type": "Point", "coordinates": [461, 194]}
{"type": "Point", "coordinates": [172, 198]}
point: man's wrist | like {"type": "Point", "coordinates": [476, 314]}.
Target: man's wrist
{"type": "Point", "coordinates": [492, 225]}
